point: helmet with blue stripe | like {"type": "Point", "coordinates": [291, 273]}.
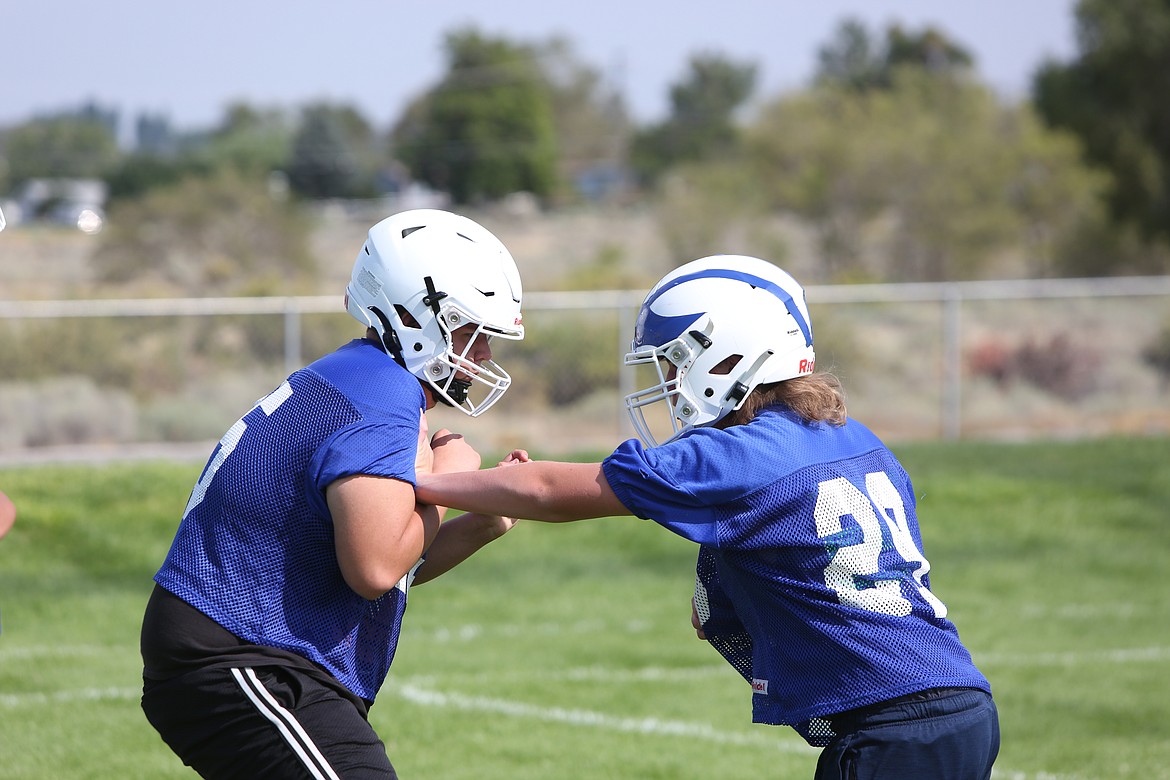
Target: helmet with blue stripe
{"type": "Point", "coordinates": [715, 329]}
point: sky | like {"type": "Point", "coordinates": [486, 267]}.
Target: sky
{"type": "Point", "coordinates": [188, 61]}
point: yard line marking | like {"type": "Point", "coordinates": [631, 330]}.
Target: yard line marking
{"type": "Point", "coordinates": [1118, 656]}
{"type": "Point", "coordinates": [419, 695]}
{"type": "Point", "coordinates": [57, 651]}
{"type": "Point", "coordinates": [589, 674]}
{"type": "Point", "coordinates": [35, 698]}
{"type": "Point", "coordinates": [422, 696]}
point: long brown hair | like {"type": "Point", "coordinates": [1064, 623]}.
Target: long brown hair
{"type": "Point", "coordinates": [817, 397]}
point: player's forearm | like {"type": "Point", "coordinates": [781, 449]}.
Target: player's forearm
{"type": "Point", "coordinates": [549, 491]}
{"type": "Point", "coordinates": [458, 539]}
{"type": "Point", "coordinates": [7, 514]}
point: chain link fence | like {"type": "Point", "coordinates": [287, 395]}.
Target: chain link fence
{"type": "Point", "coordinates": [1004, 360]}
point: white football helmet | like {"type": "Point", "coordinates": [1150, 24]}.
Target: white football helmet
{"type": "Point", "coordinates": [421, 275]}
{"type": "Point", "coordinates": [714, 329]}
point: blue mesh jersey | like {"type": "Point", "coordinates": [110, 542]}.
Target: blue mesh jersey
{"type": "Point", "coordinates": [254, 551]}
{"type": "Point", "coordinates": [810, 577]}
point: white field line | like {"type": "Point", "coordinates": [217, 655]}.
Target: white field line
{"type": "Point", "coordinates": [579, 718]}
{"type": "Point", "coordinates": [37, 698]}
{"type": "Point", "coordinates": [652, 726]}
{"type": "Point", "coordinates": [656, 726]}
{"type": "Point", "coordinates": [1119, 656]}
{"type": "Point", "coordinates": [599, 674]}
{"type": "Point", "coordinates": [59, 651]}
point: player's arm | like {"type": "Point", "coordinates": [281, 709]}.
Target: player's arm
{"type": "Point", "coordinates": [379, 531]}
{"type": "Point", "coordinates": [7, 514]}
{"type": "Point", "coordinates": [457, 540]}
{"type": "Point", "coordinates": [461, 537]}
{"type": "Point", "coordinates": [551, 491]}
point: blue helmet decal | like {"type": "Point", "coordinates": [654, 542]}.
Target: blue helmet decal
{"type": "Point", "coordinates": [663, 324]}
{"type": "Point", "coordinates": [656, 330]}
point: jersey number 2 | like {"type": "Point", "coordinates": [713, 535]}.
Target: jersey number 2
{"type": "Point", "coordinates": [851, 570]}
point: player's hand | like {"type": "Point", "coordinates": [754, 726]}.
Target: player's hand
{"type": "Point", "coordinates": [698, 624]}
{"type": "Point", "coordinates": [513, 457]}
{"type": "Point", "coordinates": [504, 524]}
{"type": "Point", "coordinates": [453, 453]}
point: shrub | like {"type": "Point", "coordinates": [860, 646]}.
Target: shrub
{"type": "Point", "coordinates": [1055, 365]}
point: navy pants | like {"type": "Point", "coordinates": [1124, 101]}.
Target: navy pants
{"type": "Point", "coordinates": [942, 734]}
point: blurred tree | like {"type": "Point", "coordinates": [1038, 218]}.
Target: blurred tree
{"type": "Point", "coordinates": [77, 146]}
{"type": "Point", "coordinates": [140, 172]}
{"type": "Point", "coordinates": [930, 49]}
{"type": "Point", "coordinates": [248, 139]}
{"type": "Point", "coordinates": [938, 174]}
{"type": "Point", "coordinates": [855, 58]}
{"type": "Point", "coordinates": [592, 126]}
{"type": "Point", "coordinates": [487, 129]}
{"type": "Point", "coordinates": [701, 125]}
{"type": "Point", "coordinates": [1114, 97]}
{"type": "Point", "coordinates": [215, 235]}
{"type": "Point", "coordinates": [331, 154]}
{"type": "Point", "coordinates": [851, 58]}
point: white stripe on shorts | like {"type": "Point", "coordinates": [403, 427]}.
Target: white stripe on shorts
{"type": "Point", "coordinates": [292, 731]}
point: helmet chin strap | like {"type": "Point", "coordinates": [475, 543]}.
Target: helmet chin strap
{"type": "Point", "coordinates": [457, 389]}
{"type": "Point", "coordinates": [390, 342]}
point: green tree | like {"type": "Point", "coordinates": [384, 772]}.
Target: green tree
{"type": "Point", "coordinates": [852, 57]}
{"type": "Point", "coordinates": [593, 128]}
{"type": "Point", "coordinates": [69, 146]}
{"type": "Point", "coordinates": [1113, 95]}
{"type": "Point", "coordinates": [331, 153]}
{"type": "Point", "coordinates": [487, 129]}
{"type": "Point", "coordinates": [702, 122]}
{"type": "Point", "coordinates": [250, 140]}
{"type": "Point", "coordinates": [855, 57]}
{"type": "Point", "coordinates": [937, 177]}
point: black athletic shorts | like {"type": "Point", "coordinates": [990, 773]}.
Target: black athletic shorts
{"type": "Point", "coordinates": [233, 710]}
{"type": "Point", "coordinates": [264, 722]}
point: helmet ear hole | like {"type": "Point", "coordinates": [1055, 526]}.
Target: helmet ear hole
{"type": "Point", "coordinates": [405, 316]}
{"type": "Point", "coordinates": [727, 365]}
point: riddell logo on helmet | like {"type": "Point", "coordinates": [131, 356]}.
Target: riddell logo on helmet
{"type": "Point", "coordinates": [807, 365]}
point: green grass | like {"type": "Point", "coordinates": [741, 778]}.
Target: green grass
{"type": "Point", "coordinates": [566, 651]}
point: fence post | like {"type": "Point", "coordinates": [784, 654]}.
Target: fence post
{"type": "Point", "coordinates": [292, 336]}
{"type": "Point", "coordinates": [626, 315]}
{"type": "Point", "coordinates": [952, 402]}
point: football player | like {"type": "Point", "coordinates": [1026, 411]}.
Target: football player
{"type": "Point", "coordinates": [811, 580]}
{"type": "Point", "coordinates": [276, 614]}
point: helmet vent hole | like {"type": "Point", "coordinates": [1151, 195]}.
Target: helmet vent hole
{"type": "Point", "coordinates": [407, 231]}
{"type": "Point", "coordinates": [709, 392]}
{"type": "Point", "coordinates": [727, 365]}
{"type": "Point", "coordinates": [417, 346]}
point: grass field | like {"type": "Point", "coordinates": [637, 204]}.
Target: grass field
{"type": "Point", "coordinates": [567, 651]}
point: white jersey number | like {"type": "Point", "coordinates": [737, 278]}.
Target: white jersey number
{"type": "Point", "coordinates": [838, 498]}
{"type": "Point", "coordinates": [231, 440]}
